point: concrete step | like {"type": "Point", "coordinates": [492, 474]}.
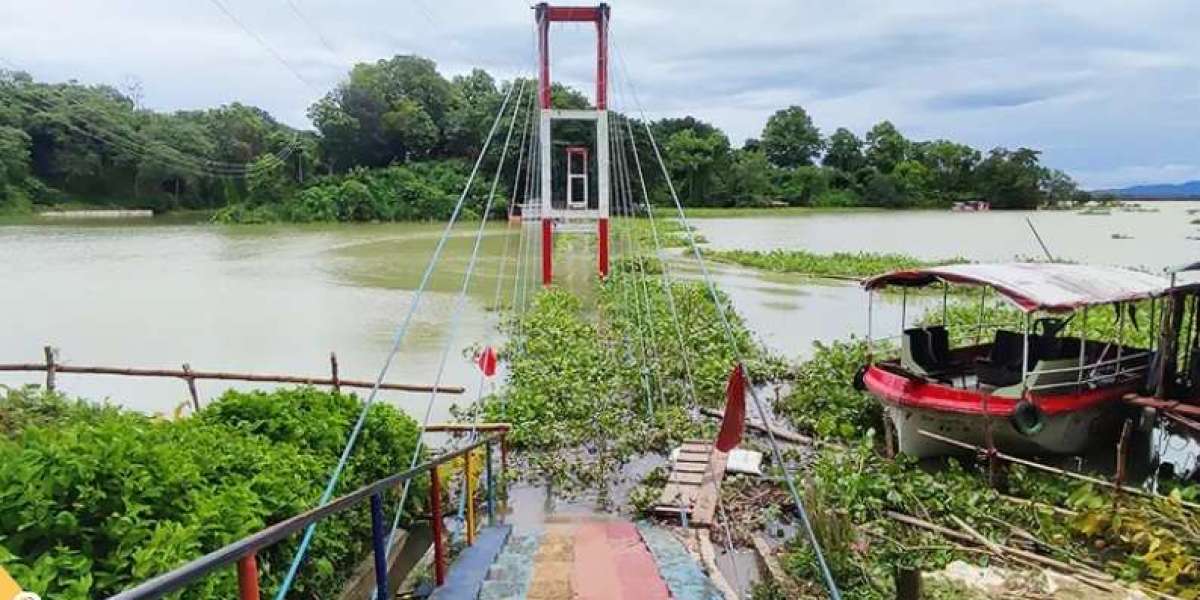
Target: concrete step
{"type": "Point", "coordinates": [469, 570]}
{"type": "Point", "coordinates": [683, 576]}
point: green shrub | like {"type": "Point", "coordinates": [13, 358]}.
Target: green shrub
{"type": "Point", "coordinates": [95, 499]}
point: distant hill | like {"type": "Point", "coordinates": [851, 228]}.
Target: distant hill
{"type": "Point", "coordinates": [1190, 189]}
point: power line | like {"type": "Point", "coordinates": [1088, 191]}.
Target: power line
{"type": "Point", "coordinates": [311, 25]}
{"type": "Point", "coordinates": [127, 141]}
{"type": "Point", "coordinates": [262, 42]}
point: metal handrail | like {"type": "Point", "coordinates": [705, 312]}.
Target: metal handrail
{"type": "Point", "coordinates": [1092, 367]}
{"type": "Point", "coordinates": [248, 546]}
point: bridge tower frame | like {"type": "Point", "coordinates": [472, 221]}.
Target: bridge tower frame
{"type": "Point", "coordinates": [545, 14]}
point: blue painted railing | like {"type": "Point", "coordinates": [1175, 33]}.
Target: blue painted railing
{"type": "Point", "coordinates": [244, 551]}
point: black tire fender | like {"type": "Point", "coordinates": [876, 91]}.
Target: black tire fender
{"type": "Point", "coordinates": [1027, 418]}
{"type": "Point", "coordinates": [859, 378]}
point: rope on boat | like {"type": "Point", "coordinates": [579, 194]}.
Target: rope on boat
{"type": "Point", "coordinates": [397, 340]}
{"type": "Point", "coordinates": [826, 574]}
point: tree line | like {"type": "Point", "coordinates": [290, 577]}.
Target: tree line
{"type": "Point", "coordinates": [396, 139]}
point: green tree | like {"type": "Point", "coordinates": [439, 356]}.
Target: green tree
{"type": "Point", "coordinates": [391, 110]}
{"type": "Point", "coordinates": [14, 167]}
{"type": "Point", "coordinates": [1011, 178]}
{"type": "Point", "coordinates": [879, 189]}
{"type": "Point", "coordinates": [845, 151]}
{"type": "Point", "coordinates": [952, 167]}
{"type": "Point", "coordinates": [803, 185]}
{"type": "Point", "coordinates": [1060, 188]}
{"type": "Point", "coordinates": [886, 148]}
{"type": "Point", "coordinates": [695, 161]}
{"type": "Point", "coordinates": [267, 182]}
{"type": "Point", "coordinates": [747, 181]}
{"type": "Point", "coordinates": [913, 182]}
{"type": "Point", "coordinates": [790, 139]}
{"type": "Point", "coordinates": [476, 101]}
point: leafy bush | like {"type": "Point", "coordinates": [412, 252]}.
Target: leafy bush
{"type": "Point", "coordinates": [410, 192]}
{"type": "Point", "coordinates": [823, 399]}
{"type": "Point", "coordinates": [95, 499]}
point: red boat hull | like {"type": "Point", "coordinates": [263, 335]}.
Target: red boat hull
{"type": "Point", "coordinates": [1072, 421]}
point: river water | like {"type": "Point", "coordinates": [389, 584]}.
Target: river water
{"type": "Point", "coordinates": [279, 299]}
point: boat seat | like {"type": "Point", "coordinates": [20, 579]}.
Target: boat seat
{"type": "Point", "coordinates": [939, 344]}
{"type": "Point", "coordinates": [916, 354]}
{"type": "Point", "coordinates": [1056, 382]}
{"type": "Point", "coordinates": [1002, 366]}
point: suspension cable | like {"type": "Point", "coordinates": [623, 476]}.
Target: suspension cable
{"type": "Point", "coordinates": [475, 409]}
{"type": "Point", "coordinates": [643, 370]}
{"type": "Point", "coordinates": [690, 386]}
{"type": "Point", "coordinates": [665, 275]}
{"type": "Point", "coordinates": [396, 342]}
{"type": "Point", "coordinates": [721, 313]}
{"type": "Point", "coordinates": [460, 304]}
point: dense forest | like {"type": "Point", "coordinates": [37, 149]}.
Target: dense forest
{"type": "Point", "coordinates": [396, 139]}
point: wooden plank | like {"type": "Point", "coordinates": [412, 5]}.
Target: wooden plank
{"type": "Point", "coordinates": [691, 467]}
{"type": "Point", "coordinates": [705, 506]}
{"type": "Point", "coordinates": [686, 478]}
{"type": "Point", "coordinates": [696, 447]}
{"type": "Point", "coordinates": [701, 457]}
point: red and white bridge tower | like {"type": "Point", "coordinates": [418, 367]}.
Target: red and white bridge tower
{"type": "Point", "coordinates": [567, 200]}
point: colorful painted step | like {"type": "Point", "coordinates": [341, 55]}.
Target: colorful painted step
{"type": "Point", "coordinates": [588, 559]}
{"type": "Point", "coordinates": [685, 579]}
{"type": "Point", "coordinates": [469, 570]}
{"type": "Point", "coordinates": [508, 577]}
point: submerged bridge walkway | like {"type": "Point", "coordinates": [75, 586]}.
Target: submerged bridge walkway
{"type": "Point", "coordinates": [567, 558]}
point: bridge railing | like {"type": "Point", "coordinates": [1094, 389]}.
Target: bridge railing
{"type": "Point", "coordinates": [244, 551]}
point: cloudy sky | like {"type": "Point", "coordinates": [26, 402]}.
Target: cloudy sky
{"type": "Point", "coordinates": [1108, 89]}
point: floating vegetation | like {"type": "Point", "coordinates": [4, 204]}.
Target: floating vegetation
{"type": "Point", "coordinates": [838, 265]}
{"type": "Point", "coordinates": [588, 391]}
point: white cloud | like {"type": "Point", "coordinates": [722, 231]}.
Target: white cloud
{"type": "Point", "coordinates": [1107, 88]}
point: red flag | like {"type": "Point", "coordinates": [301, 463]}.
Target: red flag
{"type": "Point", "coordinates": [487, 361]}
{"type": "Point", "coordinates": [734, 423]}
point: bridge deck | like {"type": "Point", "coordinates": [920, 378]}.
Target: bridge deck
{"type": "Point", "coordinates": [694, 483]}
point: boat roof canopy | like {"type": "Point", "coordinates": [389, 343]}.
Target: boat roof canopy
{"type": "Point", "coordinates": [1052, 287]}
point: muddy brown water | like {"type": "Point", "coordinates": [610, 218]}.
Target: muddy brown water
{"type": "Point", "coordinates": [277, 299]}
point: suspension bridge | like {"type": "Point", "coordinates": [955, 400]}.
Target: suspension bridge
{"type": "Point", "coordinates": [573, 172]}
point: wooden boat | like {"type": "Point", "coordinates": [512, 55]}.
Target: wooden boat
{"type": "Point", "coordinates": [1029, 389]}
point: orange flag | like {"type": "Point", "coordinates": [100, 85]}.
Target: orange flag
{"type": "Point", "coordinates": [734, 423]}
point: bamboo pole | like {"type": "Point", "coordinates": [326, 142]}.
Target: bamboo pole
{"type": "Point", "coordinates": [795, 438]}
{"type": "Point", "coordinates": [50, 367]}
{"type": "Point", "coordinates": [466, 427]}
{"type": "Point", "coordinates": [1049, 469]}
{"type": "Point", "coordinates": [191, 384]}
{"type": "Point", "coordinates": [179, 374]}
{"type": "Point", "coordinates": [333, 369]}
{"type": "Point", "coordinates": [1084, 575]}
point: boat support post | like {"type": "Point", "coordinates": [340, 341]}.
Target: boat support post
{"type": "Point", "coordinates": [1083, 343]}
{"type": "Point", "coordinates": [982, 306]}
{"type": "Point", "coordinates": [1025, 356]}
{"type": "Point", "coordinates": [870, 323]}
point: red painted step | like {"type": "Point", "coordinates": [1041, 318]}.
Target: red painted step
{"type": "Point", "coordinates": [611, 563]}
